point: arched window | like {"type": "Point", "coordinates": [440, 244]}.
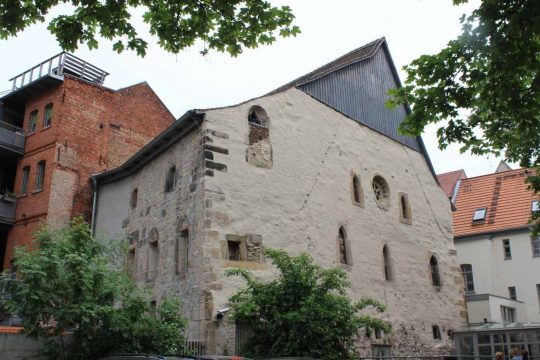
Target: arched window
{"type": "Point", "coordinates": [434, 267]}
{"type": "Point", "coordinates": [405, 213]}
{"type": "Point", "coordinates": [388, 273]}
{"type": "Point", "coordinates": [343, 244]}
{"type": "Point", "coordinates": [153, 255]}
{"type": "Point", "coordinates": [259, 152]}
{"type": "Point", "coordinates": [134, 198]}
{"type": "Point", "coordinates": [181, 248]}
{"type": "Point", "coordinates": [357, 192]}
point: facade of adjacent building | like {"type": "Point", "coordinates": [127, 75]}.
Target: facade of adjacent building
{"type": "Point", "coordinates": [59, 125]}
{"type": "Point", "coordinates": [315, 166]}
{"type": "Point", "coordinates": [499, 257]}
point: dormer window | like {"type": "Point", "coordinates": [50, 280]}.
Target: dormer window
{"type": "Point", "coordinates": [479, 215]}
{"type": "Point", "coordinates": [535, 206]}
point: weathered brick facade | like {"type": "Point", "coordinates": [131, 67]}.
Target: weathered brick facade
{"type": "Point", "coordinates": [93, 129]}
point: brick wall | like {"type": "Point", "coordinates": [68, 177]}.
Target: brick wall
{"type": "Point", "coordinates": [93, 129]}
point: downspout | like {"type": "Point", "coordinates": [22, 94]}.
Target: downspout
{"type": "Point", "coordinates": [94, 205]}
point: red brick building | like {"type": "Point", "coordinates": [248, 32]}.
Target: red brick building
{"type": "Point", "coordinates": [59, 125]}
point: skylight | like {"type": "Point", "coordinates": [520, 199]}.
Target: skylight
{"type": "Point", "coordinates": [535, 206]}
{"type": "Point", "coordinates": [479, 214]}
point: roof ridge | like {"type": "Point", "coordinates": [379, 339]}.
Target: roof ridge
{"type": "Point", "coordinates": [334, 65]}
{"type": "Point", "coordinates": [496, 174]}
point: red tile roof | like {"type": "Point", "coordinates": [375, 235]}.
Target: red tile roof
{"type": "Point", "coordinates": [504, 194]}
{"type": "Point", "coordinates": [448, 180]}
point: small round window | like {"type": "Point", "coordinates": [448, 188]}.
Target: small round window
{"type": "Point", "coordinates": [381, 191]}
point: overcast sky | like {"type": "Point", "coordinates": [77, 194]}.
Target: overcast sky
{"type": "Point", "coordinates": [329, 30]}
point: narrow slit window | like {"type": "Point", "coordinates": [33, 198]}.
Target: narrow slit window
{"type": "Point", "coordinates": [152, 256]}
{"type": "Point", "coordinates": [388, 273]}
{"type": "Point", "coordinates": [134, 198]}
{"type": "Point", "coordinates": [169, 180]}
{"type": "Point", "coordinates": [436, 332]}
{"type": "Point", "coordinates": [344, 256]}
{"type": "Point", "coordinates": [47, 117]}
{"type": "Point", "coordinates": [181, 253]}
{"type": "Point", "coordinates": [356, 189]}
{"type": "Point", "coordinates": [434, 267]}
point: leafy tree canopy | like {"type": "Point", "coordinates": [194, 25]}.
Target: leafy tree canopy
{"type": "Point", "coordinates": [70, 286]}
{"type": "Point", "coordinates": [223, 25]}
{"type": "Point", "coordinates": [304, 312]}
{"type": "Point", "coordinates": [485, 84]}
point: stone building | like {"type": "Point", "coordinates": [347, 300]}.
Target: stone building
{"type": "Point", "coordinates": [59, 125]}
{"type": "Point", "coordinates": [315, 166]}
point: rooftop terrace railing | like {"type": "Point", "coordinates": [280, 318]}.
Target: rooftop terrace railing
{"type": "Point", "coordinates": [60, 64]}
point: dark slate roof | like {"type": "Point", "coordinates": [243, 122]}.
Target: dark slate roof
{"type": "Point", "coordinates": [360, 54]}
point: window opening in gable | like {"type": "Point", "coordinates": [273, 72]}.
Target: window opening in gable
{"type": "Point", "coordinates": [259, 151]}
{"type": "Point", "coordinates": [40, 174]}
{"type": "Point", "coordinates": [134, 198]}
{"type": "Point", "coordinates": [169, 181]}
{"type": "Point", "coordinates": [466, 270]}
{"type": "Point", "coordinates": [506, 249]}
{"type": "Point", "coordinates": [381, 191]}
{"type": "Point", "coordinates": [25, 178]}
{"type": "Point", "coordinates": [388, 273]}
{"type": "Point", "coordinates": [434, 267]}
{"type": "Point", "coordinates": [479, 214]}
{"type": "Point", "coordinates": [181, 252]}
{"type": "Point", "coordinates": [512, 293]}
{"type": "Point", "coordinates": [535, 243]}
{"type": "Point", "coordinates": [233, 248]}
{"type": "Point", "coordinates": [356, 189]}
{"type": "Point", "coordinates": [344, 255]}
{"type": "Point", "coordinates": [32, 123]}
{"type": "Point", "coordinates": [47, 117]}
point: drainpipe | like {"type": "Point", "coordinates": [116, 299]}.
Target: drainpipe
{"type": "Point", "coordinates": [94, 203]}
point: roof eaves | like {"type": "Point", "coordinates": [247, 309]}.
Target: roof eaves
{"type": "Point", "coordinates": [159, 144]}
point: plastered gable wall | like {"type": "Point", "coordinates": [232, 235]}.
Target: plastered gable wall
{"type": "Point", "coordinates": [299, 203]}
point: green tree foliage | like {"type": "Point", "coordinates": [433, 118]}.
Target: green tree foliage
{"type": "Point", "coordinates": [223, 25]}
{"type": "Point", "coordinates": [485, 84]}
{"type": "Point", "coordinates": [69, 292]}
{"type": "Point", "coordinates": [304, 312]}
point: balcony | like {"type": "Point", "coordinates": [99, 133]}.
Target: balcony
{"type": "Point", "coordinates": [11, 139]}
{"type": "Point", "coordinates": [7, 210]}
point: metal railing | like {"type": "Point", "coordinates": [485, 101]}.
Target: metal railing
{"type": "Point", "coordinates": [58, 65]}
{"type": "Point", "coordinates": [10, 127]}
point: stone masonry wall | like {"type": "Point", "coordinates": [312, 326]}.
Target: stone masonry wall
{"type": "Point", "coordinates": [300, 202]}
{"type": "Point", "coordinates": [169, 214]}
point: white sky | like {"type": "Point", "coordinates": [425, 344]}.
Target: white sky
{"type": "Point", "coordinates": [329, 30]}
